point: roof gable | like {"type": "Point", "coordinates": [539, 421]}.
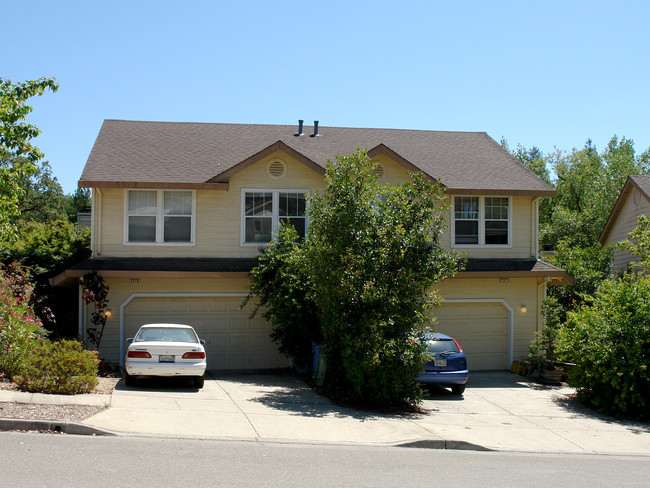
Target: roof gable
{"type": "Point", "coordinates": [178, 153]}
{"type": "Point", "coordinates": [634, 182]}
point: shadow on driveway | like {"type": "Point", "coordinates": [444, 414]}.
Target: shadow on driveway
{"type": "Point", "coordinates": [160, 385]}
{"type": "Point", "coordinates": [289, 393]}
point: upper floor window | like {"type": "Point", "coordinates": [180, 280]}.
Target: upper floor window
{"type": "Point", "coordinates": [263, 210]}
{"type": "Point", "coordinates": [160, 216]}
{"type": "Point", "coordinates": [481, 221]}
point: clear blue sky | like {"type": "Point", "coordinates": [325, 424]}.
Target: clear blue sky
{"type": "Point", "coordinates": [540, 73]}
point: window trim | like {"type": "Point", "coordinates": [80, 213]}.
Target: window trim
{"type": "Point", "coordinates": [160, 199]}
{"type": "Point", "coordinates": [275, 218]}
{"type": "Point", "coordinates": [481, 223]}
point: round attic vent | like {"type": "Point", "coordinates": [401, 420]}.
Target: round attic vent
{"type": "Point", "coordinates": [276, 168]}
{"type": "Point", "coordinates": [379, 171]}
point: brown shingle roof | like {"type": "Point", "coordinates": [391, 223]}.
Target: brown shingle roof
{"type": "Point", "coordinates": [195, 153]}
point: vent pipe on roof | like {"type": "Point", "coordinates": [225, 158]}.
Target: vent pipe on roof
{"type": "Point", "coordinates": [315, 129]}
{"type": "Point", "coordinates": [299, 128]}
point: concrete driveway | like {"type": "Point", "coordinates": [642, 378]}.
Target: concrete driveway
{"type": "Point", "coordinates": [498, 411]}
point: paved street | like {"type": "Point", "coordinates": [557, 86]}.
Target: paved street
{"type": "Point", "coordinates": [30, 460]}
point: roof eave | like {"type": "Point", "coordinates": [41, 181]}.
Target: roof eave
{"type": "Point", "coordinates": [154, 185]}
{"type": "Point", "coordinates": [554, 279]}
{"type": "Point", "coordinates": [491, 191]}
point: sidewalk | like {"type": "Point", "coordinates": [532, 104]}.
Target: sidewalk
{"type": "Point", "coordinates": [499, 411]}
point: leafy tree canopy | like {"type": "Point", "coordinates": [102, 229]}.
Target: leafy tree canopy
{"type": "Point", "coordinates": [17, 154]}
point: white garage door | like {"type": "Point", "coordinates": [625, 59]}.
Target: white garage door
{"type": "Point", "coordinates": [233, 341]}
{"type": "Point", "coordinates": [480, 328]}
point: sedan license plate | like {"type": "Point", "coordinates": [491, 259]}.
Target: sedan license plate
{"type": "Point", "coordinates": [440, 362]}
{"type": "Point", "coordinates": [165, 358]}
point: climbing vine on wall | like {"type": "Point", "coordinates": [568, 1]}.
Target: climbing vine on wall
{"type": "Point", "coordinates": [96, 291]}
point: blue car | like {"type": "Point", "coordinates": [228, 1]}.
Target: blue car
{"type": "Point", "coordinates": [448, 366]}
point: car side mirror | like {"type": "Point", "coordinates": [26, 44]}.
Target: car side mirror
{"type": "Point", "coordinates": [129, 340]}
{"type": "Point", "coordinates": [202, 342]}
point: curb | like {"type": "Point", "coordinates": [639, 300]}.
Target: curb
{"type": "Point", "coordinates": [61, 427]}
{"type": "Point", "coordinates": [443, 444]}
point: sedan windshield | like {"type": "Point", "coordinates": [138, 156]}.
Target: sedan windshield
{"type": "Point", "coordinates": [166, 334]}
{"type": "Point", "coordinates": [442, 346]}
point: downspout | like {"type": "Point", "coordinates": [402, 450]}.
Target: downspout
{"type": "Point", "coordinates": [534, 209]}
{"type": "Point", "coordinates": [96, 231]}
{"type": "Point", "coordinates": [541, 294]}
{"type": "Point", "coordinates": [81, 310]}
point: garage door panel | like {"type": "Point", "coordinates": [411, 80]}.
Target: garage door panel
{"type": "Point", "coordinates": [480, 328]}
{"type": "Point", "coordinates": [233, 341]}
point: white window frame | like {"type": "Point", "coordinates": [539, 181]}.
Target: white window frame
{"type": "Point", "coordinates": [275, 218]}
{"type": "Point", "coordinates": [481, 223]}
{"type": "Point", "coordinates": [160, 199]}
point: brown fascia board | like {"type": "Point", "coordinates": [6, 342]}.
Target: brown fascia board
{"type": "Point", "coordinates": [562, 278]}
{"type": "Point", "coordinates": [490, 191]}
{"type": "Point", "coordinates": [67, 277]}
{"type": "Point", "coordinates": [277, 146]}
{"type": "Point", "coordinates": [630, 184]}
{"type": "Point", "coordinates": [153, 185]}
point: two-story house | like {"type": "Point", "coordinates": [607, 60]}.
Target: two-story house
{"type": "Point", "coordinates": [179, 211]}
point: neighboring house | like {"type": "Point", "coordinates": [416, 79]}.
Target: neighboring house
{"type": "Point", "coordinates": [633, 201]}
{"type": "Point", "coordinates": [179, 211]}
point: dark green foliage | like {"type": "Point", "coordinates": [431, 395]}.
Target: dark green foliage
{"type": "Point", "coordinates": [78, 202]}
{"type": "Point", "coordinates": [374, 257]}
{"type": "Point", "coordinates": [48, 249]}
{"type": "Point", "coordinates": [588, 266]}
{"type": "Point", "coordinates": [42, 199]}
{"type": "Point", "coordinates": [61, 367]}
{"type": "Point", "coordinates": [609, 341]}
{"type": "Point", "coordinates": [281, 284]}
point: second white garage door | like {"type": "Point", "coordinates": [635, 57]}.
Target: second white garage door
{"type": "Point", "coordinates": [480, 328]}
{"type": "Point", "coordinates": [233, 341]}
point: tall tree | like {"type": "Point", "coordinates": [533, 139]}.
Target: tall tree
{"type": "Point", "coordinates": [15, 140]}
{"type": "Point", "coordinates": [42, 199]}
{"type": "Point", "coordinates": [374, 257]}
{"type": "Point", "coordinates": [78, 202]}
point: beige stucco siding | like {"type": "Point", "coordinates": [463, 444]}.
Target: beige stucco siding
{"type": "Point", "coordinates": [635, 204]}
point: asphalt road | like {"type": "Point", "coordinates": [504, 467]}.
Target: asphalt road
{"type": "Point", "coordinates": [48, 460]}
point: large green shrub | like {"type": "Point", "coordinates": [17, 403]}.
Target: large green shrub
{"type": "Point", "coordinates": [609, 341]}
{"type": "Point", "coordinates": [281, 285]}
{"type": "Point", "coordinates": [374, 257]}
{"type": "Point", "coordinates": [20, 330]}
{"type": "Point", "coordinates": [63, 367]}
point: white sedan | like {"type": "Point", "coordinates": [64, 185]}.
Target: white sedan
{"type": "Point", "coordinates": [165, 350]}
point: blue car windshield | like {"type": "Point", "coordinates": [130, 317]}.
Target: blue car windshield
{"type": "Point", "coordinates": [166, 334]}
{"type": "Point", "coordinates": [442, 346]}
